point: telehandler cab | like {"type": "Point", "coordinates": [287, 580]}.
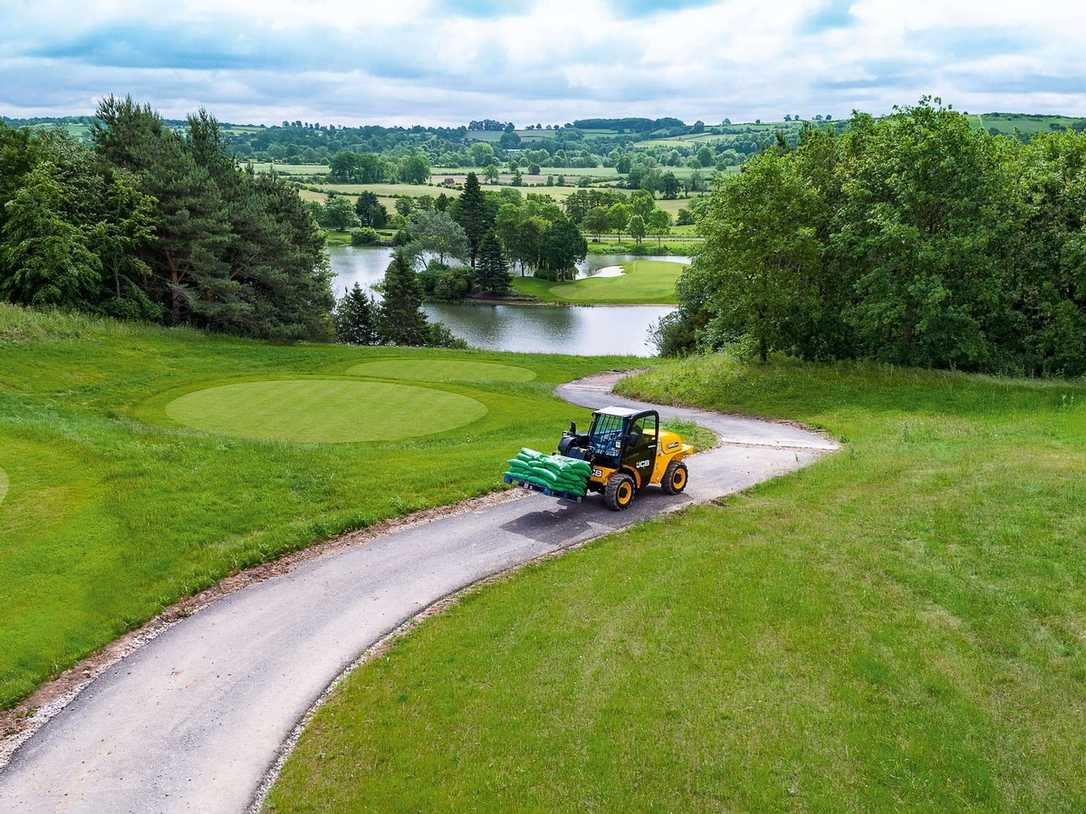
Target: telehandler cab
{"type": "Point", "coordinates": [628, 451]}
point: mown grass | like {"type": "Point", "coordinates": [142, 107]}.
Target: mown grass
{"type": "Point", "coordinates": [325, 410]}
{"type": "Point", "coordinates": [113, 510]}
{"type": "Point", "coordinates": [899, 627]}
{"type": "Point", "coordinates": [642, 282]}
{"type": "Point", "coordinates": [442, 370]}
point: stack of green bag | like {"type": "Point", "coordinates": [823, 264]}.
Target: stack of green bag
{"type": "Point", "coordinates": [555, 472]}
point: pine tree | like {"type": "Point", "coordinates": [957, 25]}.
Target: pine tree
{"type": "Point", "coordinates": [472, 215]}
{"type": "Point", "coordinates": [492, 272]}
{"type": "Point", "coordinates": [401, 321]}
{"type": "Point", "coordinates": [356, 318]}
{"type": "Point", "coordinates": [192, 225]}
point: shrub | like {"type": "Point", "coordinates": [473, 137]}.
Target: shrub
{"type": "Point", "coordinates": [364, 236]}
{"type": "Point", "coordinates": [453, 284]}
{"type": "Point", "coordinates": [438, 336]}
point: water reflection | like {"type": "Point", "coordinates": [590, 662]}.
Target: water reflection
{"type": "Point", "coordinates": [577, 329]}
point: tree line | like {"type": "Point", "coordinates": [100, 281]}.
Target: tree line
{"type": "Point", "coordinates": [462, 229]}
{"type": "Point", "coordinates": [151, 223]}
{"type": "Point", "coordinates": [449, 248]}
{"type": "Point", "coordinates": [489, 232]}
{"type": "Point", "coordinates": [912, 239]}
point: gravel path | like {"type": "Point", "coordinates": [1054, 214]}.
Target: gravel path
{"type": "Point", "coordinates": [193, 720]}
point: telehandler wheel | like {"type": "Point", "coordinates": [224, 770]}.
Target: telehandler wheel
{"type": "Point", "coordinates": [619, 492]}
{"type": "Point", "coordinates": [675, 478]}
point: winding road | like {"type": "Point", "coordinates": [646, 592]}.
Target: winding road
{"type": "Point", "coordinates": [194, 720]}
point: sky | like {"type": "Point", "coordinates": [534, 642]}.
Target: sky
{"type": "Point", "coordinates": [546, 61]}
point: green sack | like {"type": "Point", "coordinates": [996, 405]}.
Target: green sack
{"type": "Point", "coordinates": [545, 474]}
{"type": "Point", "coordinates": [558, 482]}
{"type": "Point", "coordinates": [560, 463]}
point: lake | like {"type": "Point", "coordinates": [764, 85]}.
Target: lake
{"type": "Point", "coordinates": [578, 329]}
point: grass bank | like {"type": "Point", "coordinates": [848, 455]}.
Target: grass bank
{"type": "Point", "coordinates": [647, 247]}
{"type": "Point", "coordinates": [642, 282]}
{"type": "Point", "coordinates": [117, 504]}
{"type": "Point", "coordinates": [899, 627]}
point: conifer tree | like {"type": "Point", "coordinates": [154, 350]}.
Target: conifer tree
{"type": "Point", "coordinates": [401, 321]}
{"type": "Point", "coordinates": [472, 215]}
{"type": "Point", "coordinates": [492, 272]}
{"type": "Point", "coordinates": [356, 318]}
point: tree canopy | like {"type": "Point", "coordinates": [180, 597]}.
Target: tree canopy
{"type": "Point", "coordinates": [912, 239]}
{"type": "Point", "coordinates": [158, 224]}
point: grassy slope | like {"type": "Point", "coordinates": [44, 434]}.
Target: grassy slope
{"type": "Point", "coordinates": [114, 511]}
{"type": "Point", "coordinates": [899, 627]}
{"type": "Point", "coordinates": [645, 282]}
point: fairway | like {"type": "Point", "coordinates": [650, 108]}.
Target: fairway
{"type": "Point", "coordinates": [428, 370]}
{"type": "Point", "coordinates": [3, 485]}
{"type": "Point", "coordinates": [114, 509]}
{"type": "Point", "coordinates": [329, 411]}
{"type": "Point", "coordinates": [642, 282]}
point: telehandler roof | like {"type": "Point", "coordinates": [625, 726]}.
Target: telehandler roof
{"type": "Point", "coordinates": [621, 412]}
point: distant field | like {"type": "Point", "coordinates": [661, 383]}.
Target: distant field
{"type": "Point", "coordinates": [681, 141]}
{"type": "Point", "coordinates": [494, 136]}
{"type": "Point", "coordinates": [591, 172]}
{"type": "Point", "coordinates": [390, 190]}
{"type": "Point", "coordinates": [506, 178]}
{"type": "Point", "coordinates": [1030, 125]}
{"type": "Point", "coordinates": [708, 137]}
{"type": "Point", "coordinates": [393, 191]}
{"type": "Point", "coordinates": [673, 206]}
{"type": "Point", "coordinates": [292, 169]}
{"type": "Point", "coordinates": [388, 193]}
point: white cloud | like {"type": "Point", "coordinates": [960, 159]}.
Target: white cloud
{"type": "Point", "coordinates": [421, 60]}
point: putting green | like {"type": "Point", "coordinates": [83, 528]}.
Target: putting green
{"type": "Point", "coordinates": [436, 370]}
{"type": "Point", "coordinates": [323, 410]}
{"type": "Point", "coordinates": [3, 485]}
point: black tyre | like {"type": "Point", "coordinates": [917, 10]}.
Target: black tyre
{"type": "Point", "coordinates": [619, 492]}
{"type": "Point", "coordinates": [675, 478]}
